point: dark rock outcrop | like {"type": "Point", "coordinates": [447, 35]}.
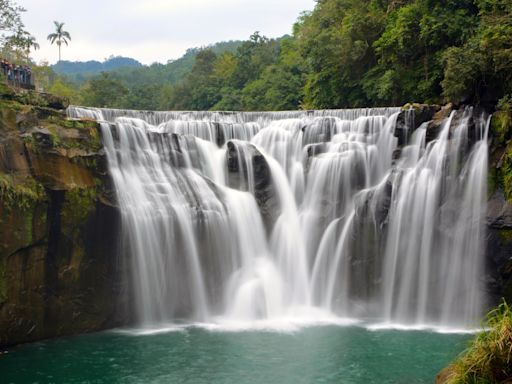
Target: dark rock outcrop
{"type": "Point", "coordinates": [319, 130]}
{"type": "Point", "coordinates": [59, 273]}
{"type": "Point", "coordinates": [434, 125]}
{"type": "Point", "coordinates": [264, 190]}
{"type": "Point", "coordinates": [411, 118]}
{"type": "Point", "coordinates": [499, 212]}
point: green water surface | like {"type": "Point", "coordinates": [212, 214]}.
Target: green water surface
{"type": "Point", "coordinates": [326, 354]}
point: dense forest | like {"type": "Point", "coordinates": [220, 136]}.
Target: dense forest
{"type": "Point", "coordinates": [78, 71]}
{"type": "Point", "coordinates": [345, 53]}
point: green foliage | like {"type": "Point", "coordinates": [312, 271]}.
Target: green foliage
{"type": "Point", "coordinates": [344, 53]}
{"type": "Point", "coordinates": [62, 89]}
{"type": "Point", "coordinates": [77, 71]}
{"type": "Point", "coordinates": [20, 195]}
{"type": "Point", "coordinates": [280, 86]}
{"type": "Point", "coordinates": [481, 69]}
{"type": "Point", "coordinates": [15, 41]}
{"type": "Point", "coordinates": [197, 91]}
{"type": "Point", "coordinates": [104, 91]}
{"type": "Point", "coordinates": [489, 357]}
{"type": "Point", "coordinates": [336, 40]}
{"type": "Point", "coordinates": [44, 77]}
{"type": "Point", "coordinates": [262, 74]}
{"type": "Point", "coordinates": [410, 49]}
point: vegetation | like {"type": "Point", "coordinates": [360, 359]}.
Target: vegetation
{"type": "Point", "coordinates": [20, 195]}
{"type": "Point", "coordinates": [78, 71]}
{"type": "Point", "coordinates": [15, 41]}
{"type": "Point", "coordinates": [345, 53]}
{"type": "Point", "coordinates": [489, 357]}
{"type": "Point", "coordinates": [59, 36]}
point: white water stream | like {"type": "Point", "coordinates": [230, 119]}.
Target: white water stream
{"type": "Point", "coordinates": [307, 216]}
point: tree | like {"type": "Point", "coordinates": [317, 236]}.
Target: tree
{"type": "Point", "coordinates": [60, 88]}
{"type": "Point", "coordinates": [10, 20]}
{"type": "Point", "coordinates": [481, 70]}
{"type": "Point", "coordinates": [59, 36]}
{"type": "Point", "coordinates": [15, 41]}
{"type": "Point", "coordinates": [104, 91]}
{"type": "Point", "coordinates": [336, 41]}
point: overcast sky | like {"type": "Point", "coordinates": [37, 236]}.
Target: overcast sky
{"type": "Point", "coordinates": [153, 30]}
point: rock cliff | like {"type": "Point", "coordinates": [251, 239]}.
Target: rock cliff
{"type": "Point", "coordinates": [59, 270]}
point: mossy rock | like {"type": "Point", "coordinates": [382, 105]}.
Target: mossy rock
{"type": "Point", "coordinates": [78, 204]}
{"type": "Point", "coordinates": [7, 119]}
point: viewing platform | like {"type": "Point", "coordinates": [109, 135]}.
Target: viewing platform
{"type": "Point", "coordinates": [19, 76]}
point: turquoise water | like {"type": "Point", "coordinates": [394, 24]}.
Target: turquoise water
{"type": "Point", "coordinates": [327, 354]}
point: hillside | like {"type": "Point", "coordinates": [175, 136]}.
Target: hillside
{"type": "Point", "coordinates": [133, 72]}
{"type": "Point", "coordinates": [79, 71]}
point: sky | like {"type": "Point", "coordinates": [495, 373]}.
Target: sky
{"type": "Point", "coordinates": [153, 30]}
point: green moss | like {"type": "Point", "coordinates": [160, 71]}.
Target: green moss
{"type": "Point", "coordinates": [28, 140]}
{"type": "Point", "coordinates": [489, 356]}
{"type": "Point", "coordinates": [506, 235]}
{"type": "Point", "coordinates": [10, 104]}
{"type": "Point", "coordinates": [22, 195]}
{"type": "Point", "coordinates": [89, 139]}
{"type": "Point", "coordinates": [78, 204]}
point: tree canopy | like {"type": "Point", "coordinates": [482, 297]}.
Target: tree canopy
{"type": "Point", "coordinates": [15, 41]}
{"type": "Point", "coordinates": [344, 53]}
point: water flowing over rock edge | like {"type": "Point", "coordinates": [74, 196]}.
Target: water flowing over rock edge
{"type": "Point", "coordinates": [415, 117]}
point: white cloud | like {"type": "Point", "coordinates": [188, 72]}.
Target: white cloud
{"type": "Point", "coordinates": [154, 30]}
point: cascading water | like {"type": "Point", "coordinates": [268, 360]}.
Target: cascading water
{"type": "Point", "coordinates": [299, 215]}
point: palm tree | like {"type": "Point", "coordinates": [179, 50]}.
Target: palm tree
{"type": "Point", "coordinates": [60, 36]}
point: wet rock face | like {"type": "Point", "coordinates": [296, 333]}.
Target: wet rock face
{"type": "Point", "coordinates": [499, 210]}
{"type": "Point", "coordinates": [319, 130]}
{"type": "Point", "coordinates": [411, 118]}
{"type": "Point", "coordinates": [59, 272]}
{"type": "Point", "coordinates": [434, 125]}
{"type": "Point", "coordinates": [499, 248]}
{"type": "Point", "coordinates": [238, 160]}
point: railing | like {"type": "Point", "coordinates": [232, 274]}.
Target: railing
{"type": "Point", "coordinates": [19, 76]}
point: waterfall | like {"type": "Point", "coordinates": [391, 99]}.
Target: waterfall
{"type": "Point", "coordinates": [261, 216]}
